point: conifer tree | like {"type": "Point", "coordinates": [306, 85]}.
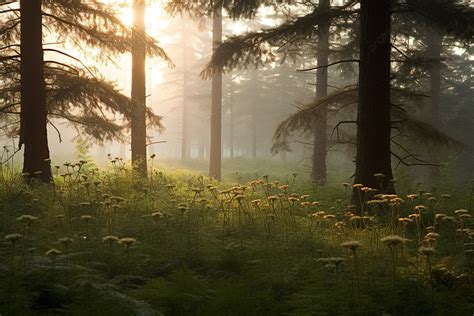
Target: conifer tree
{"type": "Point", "coordinates": [76, 94]}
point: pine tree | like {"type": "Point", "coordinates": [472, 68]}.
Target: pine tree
{"type": "Point", "coordinates": [138, 123]}
{"type": "Point", "coordinates": [215, 154]}
{"type": "Point", "coordinates": [76, 94]}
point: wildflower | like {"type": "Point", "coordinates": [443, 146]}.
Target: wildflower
{"type": "Point", "coordinates": [86, 218]}
{"type": "Point", "coordinates": [448, 219]}
{"type": "Point", "coordinates": [53, 253]}
{"type": "Point", "coordinates": [196, 190]}
{"type": "Point", "coordinates": [127, 241]}
{"type": "Point", "coordinates": [446, 196]}
{"type": "Point", "coordinates": [393, 240]}
{"type": "Point", "coordinates": [26, 219]}
{"type": "Point", "coordinates": [405, 220]}
{"type": "Point", "coordinates": [66, 241]}
{"type": "Point", "coordinates": [110, 239]}
{"type": "Point", "coordinates": [465, 216]}
{"type": "Point", "coordinates": [375, 202]}
{"type": "Point", "coordinates": [420, 208]}
{"type": "Point", "coordinates": [183, 208]}
{"type": "Point", "coordinates": [357, 186]}
{"type": "Point", "coordinates": [426, 251]}
{"type": "Point", "coordinates": [257, 202]}
{"type": "Point", "coordinates": [440, 216]}
{"type": "Point", "coordinates": [157, 215]}
{"type": "Point", "coordinates": [412, 197]}
{"type": "Point", "coordinates": [13, 238]}
{"type": "Point", "coordinates": [304, 196]}
{"type": "Point", "coordinates": [272, 198]}
{"type": "Point", "coordinates": [429, 241]}
{"type": "Point", "coordinates": [430, 229]}
{"type": "Point", "coordinates": [460, 212]}
{"type": "Point", "coordinates": [329, 217]}
{"type": "Point", "coordinates": [397, 201]}
{"type": "Point", "coordinates": [352, 245]}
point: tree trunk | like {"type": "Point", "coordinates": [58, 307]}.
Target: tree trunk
{"type": "Point", "coordinates": [33, 117]}
{"type": "Point", "coordinates": [320, 120]}
{"type": "Point", "coordinates": [434, 44]}
{"type": "Point", "coordinates": [185, 151]}
{"type": "Point", "coordinates": [373, 115]}
{"type": "Point", "coordinates": [216, 107]}
{"type": "Point", "coordinates": [231, 122]}
{"type": "Point", "coordinates": [139, 158]}
{"type": "Point", "coordinates": [254, 133]}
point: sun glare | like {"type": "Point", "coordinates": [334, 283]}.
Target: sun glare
{"type": "Point", "coordinates": [152, 18]}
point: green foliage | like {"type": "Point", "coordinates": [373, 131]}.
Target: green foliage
{"type": "Point", "coordinates": [190, 246]}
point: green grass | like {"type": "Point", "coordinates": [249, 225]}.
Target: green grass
{"type": "Point", "coordinates": [204, 248]}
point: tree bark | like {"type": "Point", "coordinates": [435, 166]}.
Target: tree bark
{"type": "Point", "coordinates": [185, 150]}
{"type": "Point", "coordinates": [373, 116]}
{"type": "Point", "coordinates": [33, 117]}
{"type": "Point", "coordinates": [319, 168]}
{"type": "Point", "coordinates": [254, 132]}
{"type": "Point", "coordinates": [216, 106]}
{"type": "Point", "coordinates": [231, 122]}
{"type": "Point", "coordinates": [138, 124]}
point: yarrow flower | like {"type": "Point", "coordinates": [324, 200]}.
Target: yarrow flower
{"type": "Point", "coordinates": [110, 239]}
{"type": "Point", "coordinates": [426, 251]}
{"type": "Point", "coordinates": [393, 240]}
{"type": "Point", "coordinates": [352, 245]}
{"type": "Point", "coordinates": [13, 238]}
{"type": "Point", "coordinates": [53, 252]}
{"type": "Point", "coordinates": [127, 241]}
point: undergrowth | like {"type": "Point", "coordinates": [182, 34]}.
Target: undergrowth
{"type": "Point", "coordinates": [105, 242]}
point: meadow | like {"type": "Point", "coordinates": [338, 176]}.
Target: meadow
{"type": "Point", "coordinates": [107, 242]}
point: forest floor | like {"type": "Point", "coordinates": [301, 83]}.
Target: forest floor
{"type": "Point", "coordinates": [105, 242]}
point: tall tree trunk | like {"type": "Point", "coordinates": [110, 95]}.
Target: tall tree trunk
{"type": "Point", "coordinates": [434, 44]}
{"type": "Point", "coordinates": [373, 115]}
{"type": "Point", "coordinates": [139, 158]}
{"type": "Point", "coordinates": [215, 160]}
{"type": "Point", "coordinates": [184, 131]}
{"type": "Point", "coordinates": [253, 121]}
{"type": "Point", "coordinates": [33, 129]}
{"type": "Point", "coordinates": [231, 122]}
{"type": "Point", "coordinates": [320, 121]}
